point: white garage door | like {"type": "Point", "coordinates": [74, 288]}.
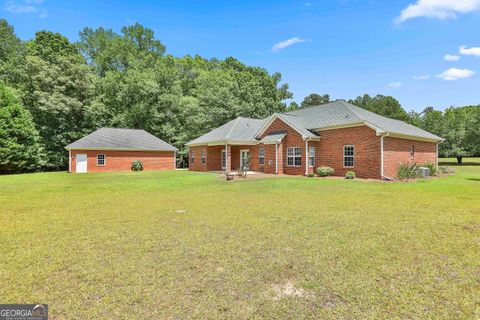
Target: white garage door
{"type": "Point", "coordinates": [81, 163]}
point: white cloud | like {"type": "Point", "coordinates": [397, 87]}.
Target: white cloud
{"type": "Point", "coordinates": [25, 6]}
{"type": "Point", "coordinates": [422, 77]}
{"type": "Point", "coordinates": [451, 57]}
{"type": "Point", "coordinates": [283, 44]}
{"type": "Point", "coordinates": [439, 9]}
{"type": "Point", "coordinates": [395, 84]}
{"type": "Point", "coordinates": [453, 74]}
{"type": "Point", "coordinates": [473, 51]}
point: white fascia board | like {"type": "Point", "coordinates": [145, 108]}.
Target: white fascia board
{"type": "Point", "coordinates": [233, 142]}
{"type": "Point", "coordinates": [411, 137]}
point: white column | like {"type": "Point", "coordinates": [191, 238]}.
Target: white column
{"type": "Point", "coordinates": [436, 159]}
{"type": "Point", "coordinates": [228, 159]}
{"type": "Point", "coordinates": [70, 160]}
{"type": "Point", "coordinates": [174, 160]}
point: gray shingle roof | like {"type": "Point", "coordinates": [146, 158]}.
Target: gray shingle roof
{"type": "Point", "coordinates": [340, 113]}
{"type": "Point", "coordinates": [121, 139]}
{"type": "Point", "coordinates": [274, 137]}
{"type": "Point", "coordinates": [239, 129]}
{"type": "Point", "coordinates": [308, 120]}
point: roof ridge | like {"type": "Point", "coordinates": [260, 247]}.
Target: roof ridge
{"type": "Point", "coordinates": [347, 105]}
{"type": "Point", "coordinates": [235, 121]}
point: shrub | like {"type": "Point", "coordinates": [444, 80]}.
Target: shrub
{"type": "Point", "coordinates": [445, 170]}
{"type": "Point", "coordinates": [408, 171]}
{"type": "Point", "coordinates": [325, 171]}
{"type": "Point", "coordinates": [311, 175]}
{"type": "Point", "coordinates": [432, 167]}
{"type": "Point", "coordinates": [350, 175]}
{"type": "Point", "coordinates": [137, 165]}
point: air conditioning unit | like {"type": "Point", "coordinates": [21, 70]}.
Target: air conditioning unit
{"type": "Point", "coordinates": [423, 171]}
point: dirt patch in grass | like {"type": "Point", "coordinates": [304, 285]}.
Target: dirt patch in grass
{"type": "Point", "coordinates": [288, 289]}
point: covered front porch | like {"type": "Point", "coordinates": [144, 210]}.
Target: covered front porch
{"type": "Point", "coordinates": [252, 157]}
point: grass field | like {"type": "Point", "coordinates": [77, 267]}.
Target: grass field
{"type": "Point", "coordinates": [453, 161]}
{"type": "Point", "coordinates": [178, 245]}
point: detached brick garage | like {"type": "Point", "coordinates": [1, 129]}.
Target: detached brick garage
{"type": "Point", "coordinates": [111, 149]}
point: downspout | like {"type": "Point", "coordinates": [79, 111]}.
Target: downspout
{"type": "Point", "coordinates": [382, 158]}
{"type": "Point", "coordinates": [276, 158]}
{"type": "Point", "coordinates": [70, 160]}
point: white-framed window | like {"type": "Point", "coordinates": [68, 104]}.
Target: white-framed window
{"type": "Point", "coordinates": [412, 151]}
{"type": "Point", "coordinates": [100, 159]}
{"type": "Point", "coordinates": [311, 156]}
{"type": "Point", "coordinates": [294, 156]}
{"type": "Point", "coordinates": [224, 159]}
{"type": "Point", "coordinates": [202, 157]}
{"type": "Point", "coordinates": [348, 156]}
{"type": "Point", "coordinates": [192, 156]}
{"type": "Point", "coordinates": [261, 156]}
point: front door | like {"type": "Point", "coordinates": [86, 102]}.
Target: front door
{"type": "Point", "coordinates": [81, 163]}
{"type": "Point", "coordinates": [244, 158]}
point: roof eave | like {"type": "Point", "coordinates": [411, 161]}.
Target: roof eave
{"type": "Point", "coordinates": [119, 149]}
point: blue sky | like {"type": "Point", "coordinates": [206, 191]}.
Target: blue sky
{"type": "Point", "coordinates": [341, 47]}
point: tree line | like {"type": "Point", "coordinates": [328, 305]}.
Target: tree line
{"type": "Point", "coordinates": [53, 92]}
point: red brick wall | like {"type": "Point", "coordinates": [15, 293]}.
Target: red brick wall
{"type": "Point", "coordinates": [397, 151]}
{"type": "Point", "coordinates": [122, 160]}
{"type": "Point", "coordinates": [214, 158]}
{"type": "Point", "coordinates": [197, 164]}
{"type": "Point", "coordinates": [292, 139]}
{"type": "Point", "coordinates": [367, 151]}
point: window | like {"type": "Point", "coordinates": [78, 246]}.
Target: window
{"type": "Point", "coordinates": [202, 157]}
{"type": "Point", "coordinates": [348, 156]}
{"type": "Point", "coordinates": [261, 156]}
{"type": "Point", "coordinates": [192, 157]}
{"type": "Point", "coordinates": [412, 151]}
{"type": "Point", "coordinates": [224, 159]}
{"type": "Point", "coordinates": [100, 159]}
{"type": "Point", "coordinates": [294, 156]}
{"type": "Point", "coordinates": [311, 156]}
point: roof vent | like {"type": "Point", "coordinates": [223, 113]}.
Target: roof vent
{"type": "Point", "coordinates": [346, 115]}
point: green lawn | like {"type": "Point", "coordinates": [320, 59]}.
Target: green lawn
{"type": "Point", "coordinates": [176, 245]}
{"type": "Point", "coordinates": [465, 161]}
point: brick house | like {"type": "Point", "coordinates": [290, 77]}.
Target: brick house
{"type": "Point", "coordinates": [110, 149]}
{"type": "Point", "coordinates": [338, 134]}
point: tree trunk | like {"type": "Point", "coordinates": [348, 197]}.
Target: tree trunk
{"type": "Point", "coordinates": [459, 159]}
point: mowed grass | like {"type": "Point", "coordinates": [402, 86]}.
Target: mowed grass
{"type": "Point", "coordinates": [465, 161]}
{"type": "Point", "coordinates": [185, 245]}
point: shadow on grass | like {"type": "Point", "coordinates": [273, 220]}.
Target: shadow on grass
{"type": "Point", "coordinates": [454, 164]}
{"type": "Point", "coordinates": [473, 179]}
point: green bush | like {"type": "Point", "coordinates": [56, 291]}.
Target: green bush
{"type": "Point", "coordinates": [350, 175]}
{"type": "Point", "coordinates": [325, 171]}
{"type": "Point", "coordinates": [408, 171]}
{"type": "Point", "coordinates": [311, 175]}
{"type": "Point", "coordinates": [137, 165]}
{"type": "Point", "coordinates": [445, 170]}
{"type": "Point", "coordinates": [432, 167]}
